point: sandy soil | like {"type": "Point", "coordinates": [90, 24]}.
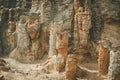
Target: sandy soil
{"type": "Point", "coordinates": [23, 71]}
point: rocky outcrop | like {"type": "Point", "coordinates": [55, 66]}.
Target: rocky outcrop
{"type": "Point", "coordinates": [62, 50]}
{"type": "Point", "coordinates": [23, 41]}
{"type": "Point", "coordinates": [114, 68]}
{"type": "Point", "coordinates": [28, 39]}
{"type": "Point", "coordinates": [59, 28]}
{"type": "Point", "coordinates": [103, 26]}
{"type": "Point", "coordinates": [82, 22]}
{"type": "Point", "coordinates": [103, 59]}
{"type": "Point", "coordinates": [70, 71]}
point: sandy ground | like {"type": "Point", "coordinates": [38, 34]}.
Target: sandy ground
{"type": "Point", "coordinates": [23, 71]}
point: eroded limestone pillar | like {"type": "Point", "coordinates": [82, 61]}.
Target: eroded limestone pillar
{"type": "Point", "coordinates": [82, 22]}
{"type": "Point", "coordinates": [70, 68]}
{"type": "Point", "coordinates": [23, 41]}
{"type": "Point", "coordinates": [62, 50]}
{"type": "Point", "coordinates": [114, 68]}
{"type": "Point", "coordinates": [103, 59]}
{"type": "Point", "coordinates": [52, 42]}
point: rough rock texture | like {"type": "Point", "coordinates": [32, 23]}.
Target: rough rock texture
{"type": "Point", "coordinates": [114, 68]}
{"type": "Point", "coordinates": [103, 60]}
{"type": "Point", "coordinates": [59, 28]}
{"type": "Point", "coordinates": [70, 71]}
{"type": "Point", "coordinates": [82, 22]}
{"type": "Point", "coordinates": [43, 16]}
{"type": "Point", "coordinates": [29, 43]}
{"type": "Point", "coordinates": [23, 41]}
{"type": "Point", "coordinates": [62, 50]}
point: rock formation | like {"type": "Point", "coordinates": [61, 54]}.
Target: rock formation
{"type": "Point", "coordinates": [70, 71]}
{"type": "Point", "coordinates": [30, 29]}
{"type": "Point", "coordinates": [114, 68]}
{"type": "Point", "coordinates": [82, 21]}
{"type": "Point", "coordinates": [62, 50]}
{"type": "Point", "coordinates": [104, 59]}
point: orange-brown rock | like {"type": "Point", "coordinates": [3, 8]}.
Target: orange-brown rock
{"type": "Point", "coordinates": [103, 60]}
{"type": "Point", "coordinates": [62, 49]}
{"type": "Point", "coordinates": [33, 27]}
{"type": "Point", "coordinates": [82, 23]}
{"type": "Point", "coordinates": [70, 68]}
{"type": "Point", "coordinates": [60, 63]}
{"type": "Point", "coordinates": [62, 43]}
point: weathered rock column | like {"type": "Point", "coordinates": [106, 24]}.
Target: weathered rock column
{"type": "Point", "coordinates": [82, 22]}
{"type": "Point", "coordinates": [33, 28]}
{"type": "Point", "coordinates": [23, 41]}
{"type": "Point", "coordinates": [58, 17]}
{"type": "Point", "coordinates": [53, 60]}
{"type": "Point", "coordinates": [62, 50]}
{"type": "Point", "coordinates": [52, 42]}
{"type": "Point", "coordinates": [103, 60]}
{"type": "Point", "coordinates": [114, 68]}
{"type": "Point", "coordinates": [70, 68]}
{"type": "Point", "coordinates": [46, 12]}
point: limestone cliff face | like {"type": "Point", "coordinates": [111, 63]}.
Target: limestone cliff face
{"type": "Point", "coordinates": [30, 40]}
{"type": "Point", "coordinates": [29, 29]}
{"type": "Point", "coordinates": [95, 21]}
{"type": "Point", "coordinates": [86, 21]}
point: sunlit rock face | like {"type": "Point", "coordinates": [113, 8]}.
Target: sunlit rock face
{"type": "Point", "coordinates": [29, 29]}
{"type": "Point", "coordinates": [86, 22]}
{"type": "Point", "coordinates": [28, 46]}
{"type": "Point", "coordinates": [32, 37]}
